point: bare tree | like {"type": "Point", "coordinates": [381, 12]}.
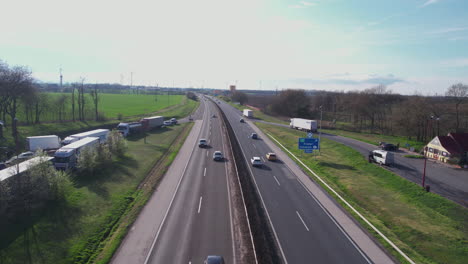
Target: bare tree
{"type": "Point", "coordinates": [459, 93]}
{"type": "Point", "coordinates": [95, 96]}
{"type": "Point", "coordinates": [73, 100]}
{"type": "Point", "coordinates": [15, 84]}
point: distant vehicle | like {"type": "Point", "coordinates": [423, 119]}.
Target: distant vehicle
{"type": "Point", "coordinates": [202, 143]}
{"type": "Point", "coordinates": [303, 124]}
{"type": "Point", "coordinates": [67, 156]}
{"type": "Point", "coordinates": [271, 156]}
{"type": "Point", "coordinates": [381, 157]}
{"type": "Point", "coordinates": [242, 120]}
{"type": "Point", "coordinates": [247, 113]}
{"type": "Point", "coordinates": [254, 136]}
{"type": "Point", "coordinates": [167, 123]}
{"type": "Point", "coordinates": [100, 133]}
{"type": "Point", "coordinates": [149, 123]}
{"type": "Point", "coordinates": [43, 142]}
{"type": "Point", "coordinates": [21, 157]}
{"type": "Point", "coordinates": [173, 120]}
{"type": "Point", "coordinates": [213, 116]}
{"type": "Point", "coordinates": [2, 166]}
{"type": "Point", "coordinates": [127, 129]}
{"type": "Point", "coordinates": [190, 118]}
{"type": "Point", "coordinates": [256, 161]}
{"type": "Point", "coordinates": [217, 155]}
{"type": "Point", "coordinates": [388, 146]}
{"type": "Point", "coordinates": [214, 260]}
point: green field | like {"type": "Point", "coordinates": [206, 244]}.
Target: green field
{"type": "Point", "coordinates": [427, 227]}
{"type": "Point", "coordinates": [111, 105]}
{"type": "Point", "coordinates": [259, 114]}
{"type": "Point", "coordinates": [73, 233]}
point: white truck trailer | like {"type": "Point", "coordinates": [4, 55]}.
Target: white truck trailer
{"type": "Point", "coordinates": [43, 142]}
{"type": "Point", "coordinates": [67, 156]}
{"type": "Point", "coordinates": [149, 123]}
{"type": "Point", "coordinates": [303, 124]}
{"type": "Point", "coordinates": [22, 167]}
{"type": "Point", "coordinates": [100, 133]}
{"type": "Point", "coordinates": [247, 113]}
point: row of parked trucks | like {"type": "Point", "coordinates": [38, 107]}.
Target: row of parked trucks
{"type": "Point", "coordinates": [65, 152]}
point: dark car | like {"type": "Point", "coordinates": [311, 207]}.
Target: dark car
{"type": "Point", "coordinates": [388, 147]}
{"type": "Point", "coordinates": [242, 120]}
{"type": "Point", "coordinates": [254, 136]}
{"type": "Point", "coordinates": [214, 260]}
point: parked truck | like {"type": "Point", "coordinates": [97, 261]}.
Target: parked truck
{"type": "Point", "coordinates": [247, 113]}
{"type": "Point", "coordinates": [48, 142]}
{"type": "Point", "coordinates": [303, 124]}
{"type": "Point", "coordinates": [127, 129]}
{"type": "Point", "coordinates": [149, 123]}
{"type": "Point", "coordinates": [67, 156]}
{"type": "Point", "coordinates": [100, 133]}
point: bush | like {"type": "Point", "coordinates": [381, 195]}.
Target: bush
{"type": "Point", "coordinates": [119, 116]}
{"type": "Point", "coordinates": [116, 143]}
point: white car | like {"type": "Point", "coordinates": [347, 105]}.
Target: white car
{"type": "Point", "coordinates": [217, 155]}
{"type": "Point", "coordinates": [167, 123]}
{"type": "Point", "coordinates": [256, 161]}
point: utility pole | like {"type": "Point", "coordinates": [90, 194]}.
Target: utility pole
{"type": "Point", "coordinates": [61, 78]}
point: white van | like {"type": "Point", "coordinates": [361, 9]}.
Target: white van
{"type": "Point", "coordinates": [381, 157]}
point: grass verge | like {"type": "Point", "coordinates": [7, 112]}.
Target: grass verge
{"type": "Point", "coordinates": [427, 227]}
{"type": "Point", "coordinates": [77, 232]}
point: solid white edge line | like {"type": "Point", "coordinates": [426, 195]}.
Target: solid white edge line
{"type": "Point", "coordinates": [170, 204]}
{"type": "Point", "coordinates": [276, 180]}
{"type": "Point", "coordinates": [229, 200]}
{"type": "Point", "coordinates": [348, 204]}
{"type": "Point", "coordinates": [263, 203]}
{"type": "Point", "coordinates": [302, 221]}
{"type": "Point", "coordinates": [199, 203]}
{"type": "Point", "coordinates": [243, 202]}
{"type": "Point", "coordinates": [336, 223]}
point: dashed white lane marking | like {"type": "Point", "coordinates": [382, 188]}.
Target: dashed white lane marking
{"type": "Point", "coordinates": [263, 159]}
{"type": "Point", "coordinates": [207, 153]}
{"type": "Point", "coordinates": [302, 220]}
{"type": "Point", "coordinates": [254, 146]}
{"type": "Point", "coordinates": [204, 173]}
{"type": "Point", "coordinates": [199, 205]}
{"type": "Point", "coordinates": [276, 180]}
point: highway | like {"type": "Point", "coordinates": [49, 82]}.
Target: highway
{"type": "Point", "coordinates": [199, 221]}
{"type": "Point", "coordinates": [306, 232]}
{"type": "Point", "coordinates": [191, 214]}
{"type": "Point", "coordinates": [449, 182]}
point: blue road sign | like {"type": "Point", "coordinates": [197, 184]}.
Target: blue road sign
{"type": "Point", "coordinates": [308, 151]}
{"type": "Point", "coordinates": [309, 135]}
{"type": "Point", "coordinates": [308, 143]}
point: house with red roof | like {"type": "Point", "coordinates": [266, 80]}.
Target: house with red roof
{"type": "Point", "coordinates": [452, 147]}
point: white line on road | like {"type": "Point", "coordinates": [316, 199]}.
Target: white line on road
{"type": "Point", "coordinates": [276, 180]}
{"type": "Point", "coordinates": [207, 153]}
{"type": "Point", "coordinates": [302, 220]}
{"type": "Point", "coordinates": [254, 146]}
{"type": "Point", "coordinates": [263, 159]}
{"type": "Point", "coordinates": [204, 173]}
{"type": "Point", "coordinates": [349, 205]}
{"type": "Point", "coordinates": [199, 204]}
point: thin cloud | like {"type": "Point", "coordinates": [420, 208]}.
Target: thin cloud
{"type": "Point", "coordinates": [448, 30]}
{"type": "Point", "coordinates": [302, 4]}
{"type": "Point", "coordinates": [429, 2]}
{"type": "Point", "coordinates": [456, 63]}
{"type": "Point", "coordinates": [307, 3]}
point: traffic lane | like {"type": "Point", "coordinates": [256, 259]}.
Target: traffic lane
{"type": "Point", "coordinates": [212, 227]}
{"type": "Point", "coordinates": [172, 244]}
{"type": "Point", "coordinates": [304, 229]}
{"type": "Point", "coordinates": [137, 243]}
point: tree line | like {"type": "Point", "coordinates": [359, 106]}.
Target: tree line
{"type": "Point", "coordinates": [373, 110]}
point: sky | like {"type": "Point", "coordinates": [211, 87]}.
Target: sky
{"type": "Point", "coordinates": [411, 46]}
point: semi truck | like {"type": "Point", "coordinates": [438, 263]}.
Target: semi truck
{"type": "Point", "coordinates": [100, 133]}
{"type": "Point", "coordinates": [247, 113]}
{"type": "Point", "coordinates": [48, 142]}
{"type": "Point", "coordinates": [66, 157]}
{"type": "Point", "coordinates": [303, 124]}
{"type": "Point", "coordinates": [149, 123]}
{"type": "Point", "coordinates": [22, 167]}
{"type": "Point", "coordinates": [127, 129]}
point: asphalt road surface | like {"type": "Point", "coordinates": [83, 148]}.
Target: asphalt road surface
{"type": "Point", "coordinates": [189, 215]}
{"type": "Point", "coordinates": [449, 182]}
{"type": "Point", "coordinates": [305, 231]}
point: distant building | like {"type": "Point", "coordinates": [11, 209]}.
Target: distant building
{"type": "Point", "coordinates": [445, 148]}
{"type": "Point", "coordinates": [232, 88]}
